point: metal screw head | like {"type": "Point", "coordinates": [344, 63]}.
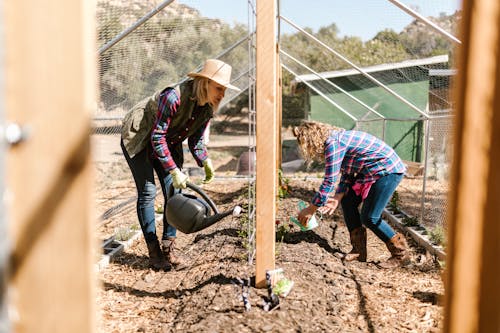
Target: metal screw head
{"type": "Point", "coordinates": [13, 133]}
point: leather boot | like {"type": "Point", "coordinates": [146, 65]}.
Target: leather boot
{"type": "Point", "coordinates": [399, 250]}
{"type": "Point", "coordinates": [156, 259]}
{"type": "Point", "coordinates": [169, 252]}
{"type": "Point", "coordinates": [358, 242]}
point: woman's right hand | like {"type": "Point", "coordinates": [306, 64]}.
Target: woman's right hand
{"type": "Point", "coordinates": [179, 179]}
{"type": "Point", "coordinates": [306, 213]}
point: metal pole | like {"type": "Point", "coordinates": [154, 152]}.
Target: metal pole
{"type": "Point", "coordinates": [251, 250]}
{"type": "Point", "coordinates": [333, 85]}
{"type": "Point", "coordinates": [426, 159]}
{"type": "Point", "coordinates": [426, 21]}
{"type": "Point", "coordinates": [359, 69]}
{"type": "Point", "coordinates": [4, 241]}
{"type": "Point", "coordinates": [322, 95]}
{"type": "Point", "coordinates": [226, 51]}
{"type": "Point", "coordinates": [136, 25]}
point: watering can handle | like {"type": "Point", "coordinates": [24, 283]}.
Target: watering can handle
{"type": "Point", "coordinates": [200, 192]}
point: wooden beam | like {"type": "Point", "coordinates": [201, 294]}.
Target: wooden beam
{"type": "Point", "coordinates": [51, 89]}
{"type": "Point", "coordinates": [472, 300]}
{"type": "Point", "coordinates": [266, 168]}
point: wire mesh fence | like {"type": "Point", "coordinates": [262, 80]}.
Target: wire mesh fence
{"type": "Point", "coordinates": [143, 47]}
{"type": "Point", "coordinates": [394, 84]}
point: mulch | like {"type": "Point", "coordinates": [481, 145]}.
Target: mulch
{"type": "Point", "coordinates": [329, 295]}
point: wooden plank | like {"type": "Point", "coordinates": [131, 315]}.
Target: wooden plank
{"type": "Point", "coordinates": [51, 88]}
{"type": "Point", "coordinates": [266, 139]}
{"type": "Point", "coordinates": [472, 300]}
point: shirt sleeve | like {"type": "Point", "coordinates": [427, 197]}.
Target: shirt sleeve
{"type": "Point", "coordinates": [168, 105]}
{"type": "Point", "coordinates": [344, 183]}
{"type": "Point", "coordinates": [334, 154]}
{"type": "Point", "coordinates": [196, 143]}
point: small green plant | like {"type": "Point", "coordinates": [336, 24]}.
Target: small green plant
{"type": "Point", "coordinates": [281, 230]}
{"type": "Point", "coordinates": [437, 235]}
{"type": "Point", "coordinates": [410, 221]}
{"type": "Point", "coordinates": [394, 202]}
{"type": "Point", "coordinates": [242, 232]}
{"type": "Point", "coordinates": [283, 188]}
{"type": "Point", "coordinates": [124, 234]}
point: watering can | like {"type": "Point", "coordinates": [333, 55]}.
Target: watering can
{"type": "Point", "coordinates": [188, 213]}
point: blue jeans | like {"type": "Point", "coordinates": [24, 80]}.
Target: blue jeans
{"type": "Point", "coordinates": [372, 208]}
{"type": "Point", "coordinates": [142, 167]}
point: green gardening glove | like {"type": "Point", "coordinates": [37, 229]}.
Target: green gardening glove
{"type": "Point", "coordinates": [179, 179]}
{"type": "Point", "coordinates": [209, 171]}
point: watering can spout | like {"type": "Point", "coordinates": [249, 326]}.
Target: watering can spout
{"type": "Point", "coordinates": [208, 221]}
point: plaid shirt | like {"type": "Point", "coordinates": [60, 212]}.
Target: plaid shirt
{"type": "Point", "coordinates": [168, 105]}
{"type": "Point", "coordinates": [359, 157]}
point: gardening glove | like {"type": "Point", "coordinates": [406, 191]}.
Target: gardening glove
{"type": "Point", "coordinates": [179, 179]}
{"type": "Point", "coordinates": [209, 171]}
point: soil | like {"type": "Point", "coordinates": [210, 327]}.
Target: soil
{"type": "Point", "coordinates": [205, 293]}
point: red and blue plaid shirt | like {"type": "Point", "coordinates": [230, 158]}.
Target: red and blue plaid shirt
{"type": "Point", "coordinates": [359, 157]}
{"type": "Point", "coordinates": [168, 105]}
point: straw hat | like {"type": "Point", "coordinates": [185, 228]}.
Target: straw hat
{"type": "Point", "coordinates": [217, 71]}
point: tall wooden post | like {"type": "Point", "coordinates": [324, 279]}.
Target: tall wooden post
{"type": "Point", "coordinates": [472, 288]}
{"type": "Point", "coordinates": [266, 167]}
{"type": "Point", "coordinates": [50, 80]}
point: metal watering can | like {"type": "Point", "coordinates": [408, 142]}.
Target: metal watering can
{"type": "Point", "coordinates": [188, 213]}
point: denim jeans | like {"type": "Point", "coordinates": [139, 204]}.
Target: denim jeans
{"type": "Point", "coordinates": [142, 167]}
{"type": "Point", "coordinates": [372, 208]}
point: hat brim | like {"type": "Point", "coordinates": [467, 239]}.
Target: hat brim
{"type": "Point", "coordinates": [227, 85]}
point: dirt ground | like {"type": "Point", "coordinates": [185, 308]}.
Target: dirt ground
{"type": "Point", "coordinates": [205, 294]}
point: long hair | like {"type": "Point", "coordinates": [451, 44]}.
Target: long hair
{"type": "Point", "coordinates": [311, 137]}
{"type": "Point", "coordinates": [200, 92]}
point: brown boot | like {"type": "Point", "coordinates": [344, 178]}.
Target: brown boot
{"type": "Point", "coordinates": [358, 242]}
{"type": "Point", "coordinates": [399, 251]}
{"type": "Point", "coordinates": [156, 259]}
{"type": "Point", "coordinates": [169, 252]}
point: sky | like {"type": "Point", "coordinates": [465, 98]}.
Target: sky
{"type": "Point", "coordinates": [363, 18]}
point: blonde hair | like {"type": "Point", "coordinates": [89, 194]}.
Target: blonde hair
{"type": "Point", "coordinates": [311, 137]}
{"type": "Point", "coordinates": [200, 91]}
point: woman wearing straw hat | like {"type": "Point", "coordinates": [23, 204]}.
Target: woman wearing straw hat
{"type": "Point", "coordinates": [151, 139]}
{"type": "Point", "coordinates": [369, 172]}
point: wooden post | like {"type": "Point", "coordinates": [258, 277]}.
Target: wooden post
{"type": "Point", "coordinates": [266, 139]}
{"type": "Point", "coordinates": [472, 301]}
{"type": "Point", "coordinates": [51, 89]}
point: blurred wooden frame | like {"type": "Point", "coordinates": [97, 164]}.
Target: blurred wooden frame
{"type": "Point", "coordinates": [49, 174]}
{"type": "Point", "coordinates": [51, 89]}
{"type": "Point", "coordinates": [472, 289]}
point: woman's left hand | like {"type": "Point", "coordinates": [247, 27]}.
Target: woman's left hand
{"type": "Point", "coordinates": [306, 213]}
{"type": "Point", "coordinates": [331, 204]}
{"type": "Point", "coordinates": [330, 207]}
{"type": "Point", "coordinates": [209, 171]}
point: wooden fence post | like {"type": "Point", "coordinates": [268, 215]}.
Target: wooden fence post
{"type": "Point", "coordinates": [266, 168]}
{"type": "Point", "coordinates": [50, 67]}
{"type": "Point", "coordinates": [472, 298]}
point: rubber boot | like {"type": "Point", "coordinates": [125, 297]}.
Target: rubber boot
{"type": "Point", "coordinates": [156, 259]}
{"type": "Point", "coordinates": [169, 252]}
{"type": "Point", "coordinates": [358, 242]}
{"type": "Point", "coordinates": [399, 252]}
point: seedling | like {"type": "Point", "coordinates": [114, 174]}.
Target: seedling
{"type": "Point", "coordinates": [410, 221]}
